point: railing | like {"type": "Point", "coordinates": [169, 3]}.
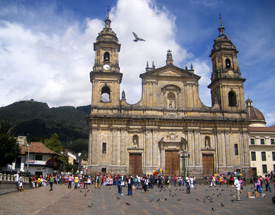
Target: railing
{"type": "Point", "coordinates": [9, 177]}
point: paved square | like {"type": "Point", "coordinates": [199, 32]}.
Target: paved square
{"type": "Point", "coordinates": [170, 200]}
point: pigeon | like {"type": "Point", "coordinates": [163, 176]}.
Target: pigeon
{"type": "Point", "coordinates": [137, 38]}
{"type": "Point", "coordinates": [212, 209]}
{"type": "Point", "coordinates": [222, 204]}
{"type": "Point", "coordinates": [90, 205]}
{"type": "Point", "coordinates": [151, 200]}
{"type": "Point", "coordinates": [127, 203]}
{"type": "Point", "coordinates": [179, 199]}
{"type": "Point", "coordinates": [197, 199]}
{"type": "Point", "coordinates": [118, 197]}
{"type": "Point", "coordinates": [85, 194]}
{"type": "Point", "coordinates": [88, 191]}
{"type": "Point", "coordinates": [165, 199]}
{"type": "Point", "coordinates": [80, 191]}
{"type": "Point", "coordinates": [158, 200]}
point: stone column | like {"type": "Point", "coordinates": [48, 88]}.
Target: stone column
{"type": "Point", "coordinates": [155, 154]}
{"type": "Point", "coordinates": [94, 144]}
{"type": "Point", "coordinates": [227, 149]}
{"type": "Point", "coordinates": [123, 147]}
{"type": "Point", "coordinates": [191, 148]}
{"type": "Point", "coordinates": [148, 147]}
{"type": "Point", "coordinates": [197, 148]}
{"type": "Point", "coordinates": [114, 148]}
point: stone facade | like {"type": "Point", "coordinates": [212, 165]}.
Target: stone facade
{"type": "Point", "coordinates": [169, 118]}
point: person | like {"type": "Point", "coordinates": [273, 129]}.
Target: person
{"type": "Point", "coordinates": [187, 180]}
{"type": "Point", "coordinates": [20, 184]}
{"type": "Point", "coordinates": [175, 180]}
{"type": "Point", "coordinates": [96, 181]}
{"type": "Point", "coordinates": [76, 181]}
{"type": "Point", "coordinates": [87, 182]}
{"type": "Point", "coordinates": [57, 179]}
{"type": "Point", "coordinates": [152, 181]}
{"type": "Point", "coordinates": [237, 184]}
{"type": "Point", "coordinates": [16, 178]}
{"type": "Point", "coordinates": [119, 185]}
{"type": "Point", "coordinates": [39, 182]}
{"type": "Point", "coordinates": [191, 182]}
{"type": "Point", "coordinates": [130, 185]}
{"type": "Point", "coordinates": [51, 182]}
{"type": "Point", "coordinates": [267, 183]}
{"type": "Point", "coordinates": [259, 186]}
{"type": "Point", "coordinates": [160, 182]}
{"type": "Point", "coordinates": [70, 180]}
{"type": "Point", "coordinates": [145, 184]}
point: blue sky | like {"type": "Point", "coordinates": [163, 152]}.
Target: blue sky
{"type": "Point", "coordinates": [46, 46]}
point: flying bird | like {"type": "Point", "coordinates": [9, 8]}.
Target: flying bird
{"type": "Point", "coordinates": [137, 38]}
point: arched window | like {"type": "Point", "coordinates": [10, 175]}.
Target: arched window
{"type": "Point", "coordinates": [135, 141]}
{"type": "Point", "coordinates": [171, 100]}
{"type": "Point", "coordinates": [227, 63]}
{"type": "Point", "coordinates": [106, 57]}
{"type": "Point", "coordinates": [105, 94]}
{"type": "Point", "coordinates": [232, 100]}
{"type": "Point", "coordinates": [207, 142]}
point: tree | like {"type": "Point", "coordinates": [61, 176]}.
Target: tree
{"type": "Point", "coordinates": [54, 143]}
{"type": "Point", "coordinates": [8, 146]}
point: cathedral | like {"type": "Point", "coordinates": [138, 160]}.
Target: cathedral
{"type": "Point", "coordinates": [169, 127]}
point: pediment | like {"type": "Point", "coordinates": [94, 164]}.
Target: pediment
{"type": "Point", "coordinates": [169, 73]}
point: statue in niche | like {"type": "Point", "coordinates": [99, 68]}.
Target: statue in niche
{"type": "Point", "coordinates": [207, 142]}
{"type": "Point", "coordinates": [135, 141]}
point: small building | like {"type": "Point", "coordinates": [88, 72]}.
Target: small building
{"type": "Point", "coordinates": [261, 142]}
{"type": "Point", "coordinates": [36, 159]}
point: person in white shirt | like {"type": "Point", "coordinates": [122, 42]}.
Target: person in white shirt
{"type": "Point", "coordinates": [187, 180]}
{"type": "Point", "coordinates": [237, 184]}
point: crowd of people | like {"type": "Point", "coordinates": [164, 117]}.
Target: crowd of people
{"type": "Point", "coordinates": [102, 179]}
{"type": "Point", "coordinates": [143, 182]}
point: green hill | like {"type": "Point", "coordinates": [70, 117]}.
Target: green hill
{"type": "Point", "coordinates": [38, 121]}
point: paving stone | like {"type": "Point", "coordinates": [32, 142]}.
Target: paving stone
{"type": "Point", "coordinates": [171, 200]}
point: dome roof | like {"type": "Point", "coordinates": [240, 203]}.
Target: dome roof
{"type": "Point", "coordinates": [253, 114]}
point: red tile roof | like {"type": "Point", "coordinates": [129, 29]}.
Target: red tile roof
{"type": "Point", "coordinates": [38, 148]}
{"type": "Point", "coordinates": [262, 129]}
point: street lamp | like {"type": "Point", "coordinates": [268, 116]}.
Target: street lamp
{"type": "Point", "coordinates": [79, 154]}
{"type": "Point", "coordinates": [183, 154]}
{"type": "Point", "coordinates": [28, 157]}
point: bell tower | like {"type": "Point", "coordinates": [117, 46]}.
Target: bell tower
{"type": "Point", "coordinates": [227, 91]}
{"type": "Point", "coordinates": [106, 76]}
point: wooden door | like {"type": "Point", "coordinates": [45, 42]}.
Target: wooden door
{"type": "Point", "coordinates": [208, 165]}
{"type": "Point", "coordinates": [172, 163]}
{"type": "Point", "coordinates": [135, 164]}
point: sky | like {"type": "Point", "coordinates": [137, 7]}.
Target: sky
{"type": "Point", "coordinates": [46, 46]}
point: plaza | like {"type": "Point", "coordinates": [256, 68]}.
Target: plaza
{"type": "Point", "coordinates": [169, 200]}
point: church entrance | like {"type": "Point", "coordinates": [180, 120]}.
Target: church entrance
{"type": "Point", "coordinates": [172, 162]}
{"type": "Point", "coordinates": [135, 164]}
{"type": "Point", "coordinates": [208, 164]}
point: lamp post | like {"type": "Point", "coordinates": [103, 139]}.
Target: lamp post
{"type": "Point", "coordinates": [28, 158]}
{"type": "Point", "coordinates": [79, 165]}
{"type": "Point", "coordinates": [183, 154]}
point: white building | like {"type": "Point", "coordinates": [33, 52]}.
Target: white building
{"type": "Point", "coordinates": [261, 142]}
{"type": "Point", "coordinates": [36, 159]}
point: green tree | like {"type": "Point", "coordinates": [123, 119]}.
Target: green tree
{"type": "Point", "coordinates": [54, 143]}
{"type": "Point", "coordinates": [8, 146]}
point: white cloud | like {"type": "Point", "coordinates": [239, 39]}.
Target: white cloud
{"type": "Point", "coordinates": [157, 27]}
